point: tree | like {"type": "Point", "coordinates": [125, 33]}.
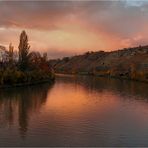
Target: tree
{"type": "Point", "coordinates": [34, 59]}
{"type": "Point", "coordinates": [45, 57]}
{"type": "Point", "coordinates": [10, 53]}
{"type": "Point", "coordinates": [23, 51]}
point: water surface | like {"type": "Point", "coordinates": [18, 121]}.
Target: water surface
{"type": "Point", "coordinates": [75, 111]}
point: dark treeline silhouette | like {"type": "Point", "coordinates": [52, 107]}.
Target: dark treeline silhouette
{"type": "Point", "coordinates": [24, 67]}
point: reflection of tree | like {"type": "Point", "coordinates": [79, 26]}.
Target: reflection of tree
{"type": "Point", "coordinates": [100, 84]}
{"type": "Point", "coordinates": [23, 114]}
{"type": "Point", "coordinates": [10, 112]}
{"type": "Point", "coordinates": [6, 110]}
{"type": "Point", "coordinates": [22, 102]}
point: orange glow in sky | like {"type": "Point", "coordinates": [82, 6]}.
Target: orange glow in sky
{"type": "Point", "coordinates": [74, 27]}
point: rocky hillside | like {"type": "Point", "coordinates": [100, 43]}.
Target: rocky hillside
{"type": "Point", "coordinates": [129, 63]}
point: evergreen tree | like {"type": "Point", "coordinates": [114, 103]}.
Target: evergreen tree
{"type": "Point", "coordinates": [11, 53]}
{"type": "Point", "coordinates": [23, 51]}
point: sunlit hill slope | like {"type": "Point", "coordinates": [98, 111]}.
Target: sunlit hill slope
{"type": "Point", "coordinates": [128, 63]}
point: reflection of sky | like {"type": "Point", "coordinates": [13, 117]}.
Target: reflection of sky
{"type": "Point", "coordinates": [84, 111]}
{"type": "Point", "coordinates": [77, 100]}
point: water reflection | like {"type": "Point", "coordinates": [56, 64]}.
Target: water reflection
{"type": "Point", "coordinates": [75, 111]}
{"type": "Point", "coordinates": [138, 90]}
{"type": "Point", "coordinates": [18, 104]}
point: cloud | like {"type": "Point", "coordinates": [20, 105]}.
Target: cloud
{"type": "Point", "coordinates": [135, 3]}
{"type": "Point", "coordinates": [75, 26]}
{"type": "Point", "coordinates": [40, 15]}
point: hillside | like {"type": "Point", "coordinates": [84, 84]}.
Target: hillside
{"type": "Point", "coordinates": [129, 63]}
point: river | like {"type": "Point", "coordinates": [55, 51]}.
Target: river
{"type": "Point", "coordinates": [75, 111]}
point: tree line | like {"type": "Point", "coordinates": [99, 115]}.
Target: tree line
{"type": "Point", "coordinates": [26, 67]}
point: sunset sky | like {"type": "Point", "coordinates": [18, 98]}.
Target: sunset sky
{"type": "Point", "coordinates": [64, 28]}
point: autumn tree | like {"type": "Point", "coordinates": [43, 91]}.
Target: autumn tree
{"type": "Point", "coordinates": [23, 51]}
{"type": "Point", "coordinates": [34, 59]}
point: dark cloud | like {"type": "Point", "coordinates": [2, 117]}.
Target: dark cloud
{"type": "Point", "coordinates": [37, 14]}
{"type": "Point", "coordinates": [120, 17]}
{"type": "Point", "coordinates": [40, 12]}
{"type": "Point", "coordinates": [45, 14]}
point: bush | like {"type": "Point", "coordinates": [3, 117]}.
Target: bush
{"type": "Point", "coordinates": [13, 75]}
{"type": "Point", "coordinates": [10, 77]}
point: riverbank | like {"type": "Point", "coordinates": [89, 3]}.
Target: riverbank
{"type": "Point", "coordinates": [27, 83]}
{"type": "Point", "coordinates": [98, 76]}
{"type": "Point", "coordinates": [129, 63]}
{"type": "Point", "coordinates": [15, 78]}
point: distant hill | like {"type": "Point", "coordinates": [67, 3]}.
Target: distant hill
{"type": "Point", "coordinates": [128, 63]}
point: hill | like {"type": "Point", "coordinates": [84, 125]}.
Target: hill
{"type": "Point", "coordinates": [128, 63]}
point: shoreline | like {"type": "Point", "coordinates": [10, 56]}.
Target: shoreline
{"type": "Point", "coordinates": [103, 76]}
{"type": "Point", "coordinates": [27, 84]}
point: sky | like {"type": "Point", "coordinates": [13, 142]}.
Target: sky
{"type": "Point", "coordinates": [64, 28]}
